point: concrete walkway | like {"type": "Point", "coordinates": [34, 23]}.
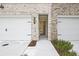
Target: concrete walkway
{"type": "Point", "coordinates": [45, 48]}
{"type": "Point", "coordinates": [42, 48]}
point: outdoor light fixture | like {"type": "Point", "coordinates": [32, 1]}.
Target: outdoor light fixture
{"type": "Point", "coordinates": [1, 6]}
{"type": "Point", "coordinates": [34, 20]}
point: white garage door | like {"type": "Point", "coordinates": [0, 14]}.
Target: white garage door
{"type": "Point", "coordinates": [15, 27]}
{"type": "Point", "coordinates": [68, 28]}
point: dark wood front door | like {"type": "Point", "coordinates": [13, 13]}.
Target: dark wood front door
{"type": "Point", "coordinates": [42, 27]}
{"type": "Point", "coordinates": [42, 24]}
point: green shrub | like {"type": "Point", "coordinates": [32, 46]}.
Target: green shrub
{"type": "Point", "coordinates": [63, 47]}
{"type": "Point", "coordinates": [69, 53]}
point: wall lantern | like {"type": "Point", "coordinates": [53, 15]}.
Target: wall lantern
{"type": "Point", "coordinates": [1, 6]}
{"type": "Point", "coordinates": [34, 20]}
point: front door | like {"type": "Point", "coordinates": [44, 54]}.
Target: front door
{"type": "Point", "coordinates": [43, 25]}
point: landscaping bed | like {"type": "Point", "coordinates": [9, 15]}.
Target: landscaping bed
{"type": "Point", "coordinates": [64, 48]}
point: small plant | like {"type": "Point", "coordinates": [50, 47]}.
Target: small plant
{"type": "Point", "coordinates": [67, 53]}
{"type": "Point", "coordinates": [63, 47]}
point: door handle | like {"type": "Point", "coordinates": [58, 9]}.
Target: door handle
{"type": "Point", "coordinates": [29, 34]}
{"type": "Point", "coordinates": [59, 34]}
{"type": "Point", "coordinates": [6, 29]}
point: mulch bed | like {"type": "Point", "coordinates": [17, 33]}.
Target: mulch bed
{"type": "Point", "coordinates": [32, 44]}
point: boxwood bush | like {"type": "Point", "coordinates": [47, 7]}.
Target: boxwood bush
{"type": "Point", "coordinates": [63, 47]}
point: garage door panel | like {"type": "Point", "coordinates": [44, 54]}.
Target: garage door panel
{"type": "Point", "coordinates": [15, 28]}
{"type": "Point", "coordinates": [68, 28]}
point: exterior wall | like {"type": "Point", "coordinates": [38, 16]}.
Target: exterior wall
{"type": "Point", "coordinates": [64, 9]}
{"type": "Point", "coordinates": [53, 10]}
{"type": "Point", "coordinates": [33, 9]}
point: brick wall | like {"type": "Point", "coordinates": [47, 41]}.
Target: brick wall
{"type": "Point", "coordinates": [69, 9]}
{"type": "Point", "coordinates": [31, 8]}
{"type": "Point", "coordinates": [10, 8]}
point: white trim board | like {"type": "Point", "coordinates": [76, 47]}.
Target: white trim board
{"type": "Point", "coordinates": [67, 16]}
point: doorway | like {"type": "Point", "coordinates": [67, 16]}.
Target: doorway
{"type": "Point", "coordinates": [43, 25]}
